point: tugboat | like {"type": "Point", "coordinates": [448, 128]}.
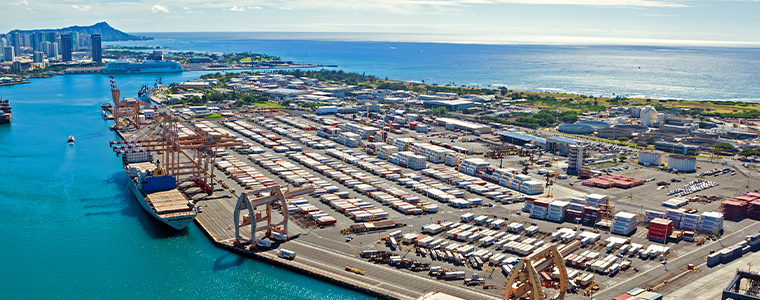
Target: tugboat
{"type": "Point", "coordinates": [71, 139]}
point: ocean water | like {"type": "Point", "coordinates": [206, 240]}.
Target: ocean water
{"type": "Point", "coordinates": [70, 228]}
{"type": "Point", "coordinates": [658, 72]}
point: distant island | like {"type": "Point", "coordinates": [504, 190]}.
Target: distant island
{"type": "Point", "coordinates": [107, 33]}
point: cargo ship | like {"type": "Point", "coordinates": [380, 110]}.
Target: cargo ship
{"type": "Point", "coordinates": [5, 111]}
{"type": "Point", "coordinates": [157, 193]}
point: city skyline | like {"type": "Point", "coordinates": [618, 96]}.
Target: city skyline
{"type": "Point", "coordinates": [538, 21]}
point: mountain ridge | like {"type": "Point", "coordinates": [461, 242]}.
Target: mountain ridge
{"type": "Point", "coordinates": [107, 33]}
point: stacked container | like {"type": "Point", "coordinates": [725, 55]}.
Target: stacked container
{"type": "Point", "coordinates": [595, 199]}
{"type": "Point", "coordinates": [689, 222]}
{"type": "Point", "coordinates": [711, 222]}
{"type": "Point", "coordinates": [734, 209]}
{"type": "Point", "coordinates": [651, 215]}
{"type": "Point", "coordinates": [540, 209]}
{"type": "Point", "coordinates": [624, 223]}
{"type": "Point", "coordinates": [754, 210]}
{"type": "Point", "coordinates": [659, 229]}
{"type": "Point", "coordinates": [674, 215]}
{"type": "Point", "coordinates": [591, 215]}
{"type": "Point", "coordinates": [528, 206]}
{"type": "Point", "coordinates": [557, 211]}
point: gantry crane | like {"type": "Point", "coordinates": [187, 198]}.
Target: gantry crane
{"type": "Point", "coordinates": [525, 276]}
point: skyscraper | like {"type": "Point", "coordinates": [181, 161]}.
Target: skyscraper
{"type": "Point", "coordinates": [16, 43]}
{"type": "Point", "coordinates": [8, 53]}
{"type": "Point", "coordinates": [46, 48]}
{"type": "Point", "coordinates": [66, 47]}
{"type": "Point", "coordinates": [54, 50]}
{"type": "Point", "coordinates": [97, 51]}
{"type": "Point", "coordinates": [74, 40]}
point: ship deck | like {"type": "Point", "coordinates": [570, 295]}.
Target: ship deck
{"type": "Point", "coordinates": [171, 201]}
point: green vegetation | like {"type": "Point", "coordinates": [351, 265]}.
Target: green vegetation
{"type": "Point", "coordinates": [544, 118]}
{"type": "Point", "coordinates": [268, 105]}
{"type": "Point", "coordinates": [749, 152]}
{"type": "Point", "coordinates": [247, 56]}
{"type": "Point", "coordinates": [566, 104]}
{"type": "Point", "coordinates": [213, 116]}
{"type": "Point", "coordinates": [650, 139]}
{"type": "Point", "coordinates": [309, 105]}
{"type": "Point", "coordinates": [440, 111]}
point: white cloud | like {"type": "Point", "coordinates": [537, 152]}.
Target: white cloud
{"type": "Point", "coordinates": [20, 3]}
{"type": "Point", "coordinates": [83, 8]}
{"type": "Point", "coordinates": [160, 8]}
{"type": "Point", "coordinates": [236, 8]}
{"type": "Point", "coordinates": [254, 7]}
{"type": "Point", "coordinates": [185, 8]}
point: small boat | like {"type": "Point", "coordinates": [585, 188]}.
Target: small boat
{"type": "Point", "coordinates": [71, 139]}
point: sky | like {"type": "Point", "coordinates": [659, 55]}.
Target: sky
{"type": "Point", "coordinates": [702, 21]}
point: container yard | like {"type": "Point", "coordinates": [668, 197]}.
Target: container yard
{"type": "Point", "coordinates": [458, 224]}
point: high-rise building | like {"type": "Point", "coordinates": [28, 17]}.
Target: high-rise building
{"type": "Point", "coordinates": [74, 40]}
{"type": "Point", "coordinates": [38, 56]}
{"type": "Point", "coordinates": [8, 53]}
{"type": "Point", "coordinates": [16, 43]}
{"type": "Point", "coordinates": [46, 47]}
{"type": "Point", "coordinates": [66, 47]}
{"type": "Point", "coordinates": [97, 51]}
{"type": "Point", "coordinates": [54, 50]}
{"type": "Point", "coordinates": [50, 36]}
{"type": "Point", "coordinates": [38, 38]}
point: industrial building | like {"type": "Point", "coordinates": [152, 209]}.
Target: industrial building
{"type": "Point", "coordinates": [617, 131]}
{"type": "Point", "coordinates": [651, 157]}
{"type": "Point", "coordinates": [560, 144]}
{"type": "Point", "coordinates": [463, 125]}
{"type": "Point", "coordinates": [451, 105]}
{"type": "Point", "coordinates": [575, 160]}
{"type": "Point", "coordinates": [521, 139]}
{"type": "Point", "coordinates": [676, 148]}
{"type": "Point", "coordinates": [681, 163]}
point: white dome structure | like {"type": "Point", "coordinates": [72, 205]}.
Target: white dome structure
{"type": "Point", "coordinates": [648, 116]}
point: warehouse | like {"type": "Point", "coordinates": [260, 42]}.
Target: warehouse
{"type": "Point", "coordinates": [521, 139]}
{"type": "Point", "coordinates": [676, 148]}
{"type": "Point", "coordinates": [450, 105]}
{"type": "Point", "coordinates": [463, 125]}
{"type": "Point", "coordinates": [560, 144]}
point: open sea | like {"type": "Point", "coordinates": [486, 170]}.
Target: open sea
{"type": "Point", "coordinates": [70, 229]}
{"type": "Point", "coordinates": [656, 72]}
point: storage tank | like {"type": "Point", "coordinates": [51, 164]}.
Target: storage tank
{"type": "Point", "coordinates": [576, 128]}
{"type": "Point", "coordinates": [651, 157]}
{"type": "Point", "coordinates": [681, 163]}
{"type": "Point", "coordinates": [648, 116]}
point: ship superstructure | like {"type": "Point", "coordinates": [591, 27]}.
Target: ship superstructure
{"type": "Point", "coordinates": [5, 111]}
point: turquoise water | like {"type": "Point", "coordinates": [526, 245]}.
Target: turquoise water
{"type": "Point", "coordinates": [70, 229]}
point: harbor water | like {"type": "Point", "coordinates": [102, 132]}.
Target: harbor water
{"type": "Point", "coordinates": [72, 230]}
{"type": "Point", "coordinates": [656, 72]}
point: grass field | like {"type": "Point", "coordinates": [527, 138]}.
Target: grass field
{"type": "Point", "coordinates": [268, 105]}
